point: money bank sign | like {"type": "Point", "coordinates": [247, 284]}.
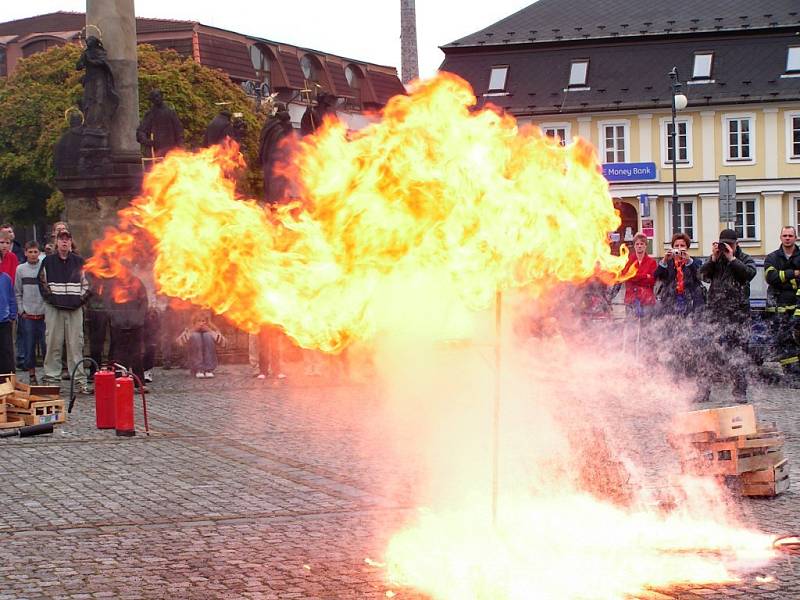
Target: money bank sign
{"type": "Point", "coordinates": [630, 171]}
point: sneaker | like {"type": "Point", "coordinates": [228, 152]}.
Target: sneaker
{"type": "Point", "coordinates": [209, 375]}
{"type": "Point", "coordinates": [261, 376]}
{"type": "Point", "coordinates": [87, 390]}
{"type": "Point", "coordinates": [281, 375]}
{"type": "Point", "coordinates": [65, 376]}
{"type": "Point", "coordinates": [33, 380]}
{"type": "Point", "coordinates": [200, 375]}
{"type": "Point", "coordinates": [148, 376]}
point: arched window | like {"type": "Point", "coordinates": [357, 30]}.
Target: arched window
{"type": "Point", "coordinates": [262, 63]}
{"type": "Point", "coordinates": [311, 68]}
{"type": "Point", "coordinates": [355, 78]}
{"type": "Point", "coordinates": [39, 46]}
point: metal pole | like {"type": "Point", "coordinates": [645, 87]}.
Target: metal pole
{"type": "Point", "coordinates": [498, 315]}
{"type": "Point", "coordinates": [676, 218]}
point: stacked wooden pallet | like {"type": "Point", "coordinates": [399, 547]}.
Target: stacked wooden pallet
{"type": "Point", "coordinates": [730, 442]}
{"type": "Point", "coordinates": [25, 404]}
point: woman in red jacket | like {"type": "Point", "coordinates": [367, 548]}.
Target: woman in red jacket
{"type": "Point", "coordinates": [639, 296]}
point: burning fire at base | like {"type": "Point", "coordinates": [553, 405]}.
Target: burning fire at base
{"type": "Point", "coordinates": [408, 228]}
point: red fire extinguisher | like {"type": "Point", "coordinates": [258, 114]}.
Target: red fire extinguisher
{"type": "Point", "coordinates": [104, 399]}
{"type": "Point", "coordinates": [124, 406]}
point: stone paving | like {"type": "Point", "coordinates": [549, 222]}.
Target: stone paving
{"type": "Point", "coordinates": [247, 489]}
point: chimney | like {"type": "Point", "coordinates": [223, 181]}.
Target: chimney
{"type": "Point", "coordinates": [409, 62]}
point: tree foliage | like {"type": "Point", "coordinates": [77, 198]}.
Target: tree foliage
{"type": "Point", "coordinates": [34, 100]}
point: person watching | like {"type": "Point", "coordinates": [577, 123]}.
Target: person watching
{"type": "Point", "coordinates": [681, 292]}
{"type": "Point", "coordinates": [782, 272]}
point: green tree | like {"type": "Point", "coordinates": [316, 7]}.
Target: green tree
{"type": "Point", "coordinates": [34, 101]}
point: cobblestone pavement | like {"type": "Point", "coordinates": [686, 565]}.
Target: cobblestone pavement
{"type": "Point", "coordinates": [246, 489]}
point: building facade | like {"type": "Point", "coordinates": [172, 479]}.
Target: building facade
{"type": "Point", "coordinates": [263, 66]}
{"type": "Point", "coordinates": [599, 69]}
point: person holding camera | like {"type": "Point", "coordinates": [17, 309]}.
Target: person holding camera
{"type": "Point", "coordinates": [681, 292]}
{"type": "Point", "coordinates": [729, 271]}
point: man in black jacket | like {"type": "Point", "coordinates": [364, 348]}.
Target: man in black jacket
{"type": "Point", "coordinates": [782, 272]}
{"type": "Point", "coordinates": [125, 299]}
{"type": "Point", "coordinates": [64, 288]}
{"type": "Point", "coordinates": [727, 314]}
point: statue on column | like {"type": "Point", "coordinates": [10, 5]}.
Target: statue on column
{"type": "Point", "coordinates": [99, 103]}
{"type": "Point", "coordinates": [100, 97]}
{"type": "Point", "coordinates": [222, 126]}
{"type": "Point", "coordinates": [314, 115]}
{"type": "Point", "coordinates": [160, 130]}
{"type": "Point", "coordinates": [272, 149]}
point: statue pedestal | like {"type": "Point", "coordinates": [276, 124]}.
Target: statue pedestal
{"type": "Point", "coordinates": [92, 201]}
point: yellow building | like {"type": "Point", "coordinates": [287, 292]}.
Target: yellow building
{"type": "Point", "coordinates": [600, 70]}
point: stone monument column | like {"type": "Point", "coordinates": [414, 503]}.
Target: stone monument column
{"type": "Point", "coordinates": [116, 22]}
{"type": "Point", "coordinates": [94, 195]}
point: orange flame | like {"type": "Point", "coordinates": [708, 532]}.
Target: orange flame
{"type": "Point", "coordinates": [435, 190]}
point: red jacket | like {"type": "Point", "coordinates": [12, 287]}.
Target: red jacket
{"type": "Point", "coordinates": [640, 286]}
{"type": "Point", "coordinates": [8, 265]}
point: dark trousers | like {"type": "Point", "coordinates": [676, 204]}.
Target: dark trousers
{"type": "Point", "coordinates": [785, 333]}
{"type": "Point", "coordinates": [725, 356]}
{"type": "Point", "coordinates": [269, 351]}
{"type": "Point", "coordinates": [32, 331]}
{"type": "Point", "coordinates": [6, 347]}
{"type": "Point", "coordinates": [151, 338]}
{"type": "Point", "coordinates": [19, 344]}
{"type": "Point", "coordinates": [128, 349]}
{"type": "Point", "coordinates": [98, 328]}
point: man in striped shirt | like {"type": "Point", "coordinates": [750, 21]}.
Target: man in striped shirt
{"type": "Point", "coordinates": [64, 288]}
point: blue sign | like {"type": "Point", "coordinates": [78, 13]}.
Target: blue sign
{"type": "Point", "coordinates": [644, 206]}
{"type": "Point", "coordinates": [630, 171]}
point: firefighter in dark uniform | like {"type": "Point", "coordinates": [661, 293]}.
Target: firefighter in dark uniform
{"type": "Point", "coordinates": [782, 272]}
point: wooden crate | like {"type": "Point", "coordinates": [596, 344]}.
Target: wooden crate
{"type": "Point", "coordinates": [734, 456]}
{"type": "Point", "coordinates": [766, 482]}
{"type": "Point", "coordinates": [729, 421]}
{"type": "Point", "coordinates": [51, 411]}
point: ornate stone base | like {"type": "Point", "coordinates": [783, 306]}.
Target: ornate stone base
{"type": "Point", "coordinates": [91, 203]}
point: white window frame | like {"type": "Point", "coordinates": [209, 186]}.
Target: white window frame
{"type": "Point", "coordinates": [793, 59]}
{"type": "Point", "coordinates": [573, 81]}
{"type": "Point", "coordinates": [601, 136]}
{"type": "Point", "coordinates": [756, 219]}
{"type": "Point", "coordinates": [790, 116]}
{"type": "Point", "coordinates": [796, 214]}
{"type": "Point", "coordinates": [706, 74]}
{"type": "Point", "coordinates": [665, 123]}
{"type": "Point", "coordinates": [566, 127]}
{"type": "Point", "coordinates": [683, 201]}
{"type": "Point", "coordinates": [726, 119]}
{"type": "Point", "coordinates": [503, 78]}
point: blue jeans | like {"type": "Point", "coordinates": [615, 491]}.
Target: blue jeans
{"type": "Point", "coordinates": [32, 333]}
{"type": "Point", "coordinates": [202, 352]}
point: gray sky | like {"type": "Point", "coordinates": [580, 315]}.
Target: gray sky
{"type": "Point", "coordinates": [366, 30]}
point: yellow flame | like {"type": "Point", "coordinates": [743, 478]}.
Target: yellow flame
{"type": "Point", "coordinates": [436, 191]}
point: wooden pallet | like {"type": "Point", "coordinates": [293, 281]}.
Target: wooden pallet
{"type": "Point", "coordinates": [51, 411]}
{"type": "Point", "coordinates": [766, 482]}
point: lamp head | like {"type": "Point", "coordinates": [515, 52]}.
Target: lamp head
{"type": "Point", "coordinates": [680, 101]}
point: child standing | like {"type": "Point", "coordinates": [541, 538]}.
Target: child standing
{"type": "Point", "coordinates": [31, 309]}
{"type": "Point", "coordinates": [8, 314]}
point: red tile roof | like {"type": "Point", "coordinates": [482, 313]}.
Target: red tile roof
{"type": "Point", "coordinates": [227, 55]}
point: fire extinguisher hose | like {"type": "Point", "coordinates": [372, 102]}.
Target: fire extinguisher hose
{"type": "Point", "coordinates": [72, 379]}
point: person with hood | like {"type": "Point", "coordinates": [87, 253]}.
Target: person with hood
{"type": "Point", "coordinates": [681, 292]}
{"type": "Point", "coordinates": [727, 315]}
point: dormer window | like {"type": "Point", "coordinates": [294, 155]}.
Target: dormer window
{"type": "Point", "coordinates": [793, 60]}
{"type": "Point", "coordinates": [702, 65]}
{"type": "Point", "coordinates": [577, 73]}
{"type": "Point", "coordinates": [497, 79]}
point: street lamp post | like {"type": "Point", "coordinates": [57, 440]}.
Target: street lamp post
{"type": "Point", "coordinates": [679, 102]}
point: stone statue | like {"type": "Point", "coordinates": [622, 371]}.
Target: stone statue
{"type": "Point", "coordinates": [314, 115]}
{"type": "Point", "coordinates": [220, 127]}
{"type": "Point", "coordinates": [160, 130]}
{"type": "Point", "coordinates": [66, 152]}
{"type": "Point", "coordinates": [271, 151]}
{"type": "Point", "coordinates": [100, 98]}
